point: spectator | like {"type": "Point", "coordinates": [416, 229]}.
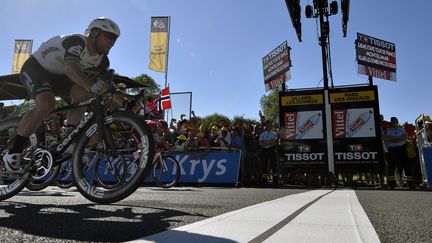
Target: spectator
{"type": "Point", "coordinates": [251, 156]}
{"type": "Point", "coordinates": [191, 143]}
{"type": "Point", "coordinates": [224, 139]}
{"type": "Point", "coordinates": [202, 141]}
{"type": "Point", "coordinates": [214, 134]}
{"type": "Point", "coordinates": [193, 122]}
{"type": "Point", "coordinates": [263, 121]}
{"type": "Point", "coordinates": [180, 143]}
{"type": "Point", "coordinates": [268, 142]}
{"type": "Point", "coordinates": [236, 140]}
{"type": "Point", "coordinates": [395, 139]}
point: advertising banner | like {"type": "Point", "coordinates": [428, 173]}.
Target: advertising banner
{"type": "Point", "coordinates": [159, 43]}
{"type": "Point", "coordinates": [302, 133]}
{"type": "Point", "coordinates": [218, 167]}
{"type": "Point", "coordinates": [22, 52]}
{"type": "Point", "coordinates": [357, 138]}
{"type": "Point", "coordinates": [276, 66]}
{"type": "Point", "coordinates": [375, 57]}
{"type": "Point", "coordinates": [214, 167]}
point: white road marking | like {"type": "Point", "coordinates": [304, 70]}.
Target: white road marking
{"type": "Point", "coordinates": [332, 216]}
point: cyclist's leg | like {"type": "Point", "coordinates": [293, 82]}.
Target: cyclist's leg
{"type": "Point", "coordinates": [76, 94]}
{"type": "Point", "coordinates": [27, 126]}
{"type": "Point", "coordinates": [36, 80]}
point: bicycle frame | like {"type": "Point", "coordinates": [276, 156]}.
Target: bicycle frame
{"type": "Point", "coordinates": [96, 112]}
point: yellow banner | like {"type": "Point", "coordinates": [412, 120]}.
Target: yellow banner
{"type": "Point", "coordinates": [22, 52]}
{"type": "Point", "coordinates": [356, 96]}
{"type": "Point", "coordinates": [315, 99]}
{"type": "Point", "coordinates": [159, 43]}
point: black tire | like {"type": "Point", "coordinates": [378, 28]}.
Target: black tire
{"type": "Point", "coordinates": [162, 176]}
{"type": "Point", "coordinates": [10, 183]}
{"type": "Point", "coordinates": [85, 159]}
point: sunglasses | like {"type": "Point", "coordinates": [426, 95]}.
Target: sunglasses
{"type": "Point", "coordinates": [110, 36]}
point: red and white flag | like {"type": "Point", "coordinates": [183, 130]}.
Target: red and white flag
{"type": "Point", "coordinates": [161, 102]}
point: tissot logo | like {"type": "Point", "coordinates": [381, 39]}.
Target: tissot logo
{"type": "Point", "coordinates": [304, 156]}
{"type": "Point", "coordinates": [305, 149]}
{"type": "Point", "coordinates": [355, 147]}
{"type": "Point", "coordinates": [356, 155]}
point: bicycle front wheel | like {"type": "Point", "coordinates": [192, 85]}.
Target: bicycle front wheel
{"type": "Point", "coordinates": [99, 170]}
{"type": "Point", "coordinates": [166, 173]}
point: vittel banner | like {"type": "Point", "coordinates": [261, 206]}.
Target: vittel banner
{"type": "Point", "coordinates": [302, 132]}
{"type": "Point", "coordinates": [304, 125]}
{"type": "Point", "coordinates": [353, 123]}
{"type": "Point", "coordinates": [357, 144]}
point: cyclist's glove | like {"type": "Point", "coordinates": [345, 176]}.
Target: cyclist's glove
{"type": "Point", "coordinates": [104, 83]}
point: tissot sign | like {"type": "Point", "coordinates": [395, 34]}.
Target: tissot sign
{"type": "Point", "coordinates": [375, 57]}
{"type": "Point", "coordinates": [276, 66]}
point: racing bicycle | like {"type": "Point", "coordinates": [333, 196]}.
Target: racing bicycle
{"type": "Point", "coordinates": [99, 142]}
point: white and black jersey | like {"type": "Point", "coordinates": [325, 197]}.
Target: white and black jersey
{"type": "Point", "coordinates": [45, 70]}
{"type": "Point", "coordinates": [52, 54]}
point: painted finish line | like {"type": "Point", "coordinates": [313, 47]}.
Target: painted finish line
{"type": "Point", "coordinates": [315, 216]}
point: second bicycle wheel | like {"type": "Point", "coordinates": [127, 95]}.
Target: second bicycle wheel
{"type": "Point", "coordinates": [94, 161]}
{"type": "Point", "coordinates": [166, 173]}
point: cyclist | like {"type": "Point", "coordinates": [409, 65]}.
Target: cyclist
{"type": "Point", "coordinates": [59, 67]}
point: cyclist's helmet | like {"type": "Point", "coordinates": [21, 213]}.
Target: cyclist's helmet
{"type": "Point", "coordinates": [104, 24]}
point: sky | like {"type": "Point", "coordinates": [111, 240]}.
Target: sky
{"type": "Point", "coordinates": [216, 47]}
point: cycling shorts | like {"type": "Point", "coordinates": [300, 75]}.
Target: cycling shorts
{"type": "Point", "coordinates": [36, 80]}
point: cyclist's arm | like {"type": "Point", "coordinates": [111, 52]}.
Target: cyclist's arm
{"type": "Point", "coordinates": [75, 73]}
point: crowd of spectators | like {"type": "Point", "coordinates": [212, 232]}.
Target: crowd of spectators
{"type": "Point", "coordinates": [257, 142]}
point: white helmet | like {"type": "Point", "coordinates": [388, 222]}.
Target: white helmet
{"type": "Point", "coordinates": [103, 24]}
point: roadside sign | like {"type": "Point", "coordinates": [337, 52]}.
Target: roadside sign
{"type": "Point", "coordinates": [375, 57]}
{"type": "Point", "coordinates": [276, 66]}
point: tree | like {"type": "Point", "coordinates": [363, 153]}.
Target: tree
{"type": "Point", "coordinates": [214, 119]}
{"type": "Point", "coordinates": [242, 122]}
{"type": "Point", "coordinates": [270, 106]}
{"type": "Point", "coordinates": [145, 79]}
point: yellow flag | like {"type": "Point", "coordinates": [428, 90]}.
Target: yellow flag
{"type": "Point", "coordinates": [22, 52]}
{"type": "Point", "coordinates": [159, 43]}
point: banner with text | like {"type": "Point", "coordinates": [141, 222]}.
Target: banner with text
{"type": "Point", "coordinates": [302, 134]}
{"type": "Point", "coordinates": [375, 57]}
{"type": "Point", "coordinates": [159, 43]}
{"type": "Point", "coordinates": [22, 52]}
{"type": "Point", "coordinates": [357, 138]}
{"type": "Point", "coordinates": [276, 66]}
{"type": "Point", "coordinates": [213, 167]}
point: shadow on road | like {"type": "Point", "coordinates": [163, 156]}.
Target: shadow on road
{"type": "Point", "coordinates": [86, 222]}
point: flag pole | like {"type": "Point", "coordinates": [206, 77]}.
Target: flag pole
{"type": "Point", "coordinates": [167, 52]}
{"type": "Point", "coordinates": [166, 63]}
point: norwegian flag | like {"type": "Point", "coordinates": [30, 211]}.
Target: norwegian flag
{"type": "Point", "coordinates": [162, 102]}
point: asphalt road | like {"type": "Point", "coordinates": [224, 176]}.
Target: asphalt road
{"type": "Point", "coordinates": [57, 215]}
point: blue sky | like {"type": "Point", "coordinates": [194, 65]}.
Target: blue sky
{"type": "Point", "coordinates": [216, 46]}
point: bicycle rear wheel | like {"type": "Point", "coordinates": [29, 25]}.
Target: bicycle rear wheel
{"type": "Point", "coordinates": [166, 173]}
{"type": "Point", "coordinates": [64, 176]}
{"type": "Point", "coordinates": [89, 160]}
{"type": "Point", "coordinates": [10, 183]}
